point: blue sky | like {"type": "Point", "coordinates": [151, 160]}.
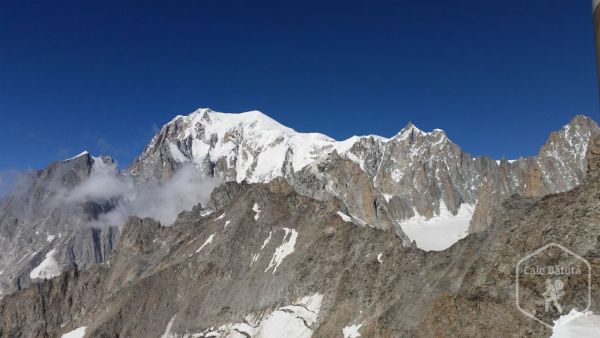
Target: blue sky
{"type": "Point", "coordinates": [498, 76]}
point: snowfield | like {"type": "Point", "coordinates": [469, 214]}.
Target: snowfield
{"type": "Point", "coordinates": [441, 231]}
{"type": "Point", "coordinates": [47, 269]}
{"type": "Point", "coordinates": [77, 333]}
{"type": "Point", "coordinates": [284, 250]}
{"type": "Point", "coordinates": [292, 321]}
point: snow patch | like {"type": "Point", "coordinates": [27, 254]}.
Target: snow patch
{"type": "Point", "coordinates": [266, 241]}
{"type": "Point", "coordinates": [226, 224]}
{"type": "Point", "coordinates": [220, 217]}
{"type": "Point", "coordinates": [199, 150]}
{"type": "Point", "coordinates": [379, 257]}
{"type": "Point", "coordinates": [441, 231]}
{"type": "Point", "coordinates": [256, 210]}
{"type": "Point", "coordinates": [396, 175]}
{"type": "Point", "coordinates": [77, 333]}
{"type": "Point", "coordinates": [85, 152]}
{"type": "Point", "coordinates": [47, 269]}
{"type": "Point", "coordinates": [284, 250]}
{"type": "Point", "coordinates": [577, 325]}
{"type": "Point", "coordinates": [345, 217]}
{"type": "Point", "coordinates": [256, 255]}
{"type": "Point", "coordinates": [207, 242]}
{"type": "Point", "coordinates": [351, 219]}
{"type": "Point", "coordinates": [50, 238]}
{"type": "Point", "coordinates": [167, 333]}
{"type": "Point", "coordinates": [352, 331]}
{"type": "Point", "coordinates": [295, 321]}
{"type": "Point", "coordinates": [176, 153]}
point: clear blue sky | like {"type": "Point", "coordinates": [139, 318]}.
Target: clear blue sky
{"type": "Point", "coordinates": [498, 76]}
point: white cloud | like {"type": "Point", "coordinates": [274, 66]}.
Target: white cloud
{"type": "Point", "coordinates": [161, 201]}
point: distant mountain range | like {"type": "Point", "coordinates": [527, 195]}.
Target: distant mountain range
{"type": "Point", "coordinates": [418, 187]}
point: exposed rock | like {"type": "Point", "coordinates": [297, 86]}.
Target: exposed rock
{"type": "Point", "coordinates": [593, 156]}
{"type": "Point", "coordinates": [33, 220]}
{"type": "Point", "coordinates": [211, 274]}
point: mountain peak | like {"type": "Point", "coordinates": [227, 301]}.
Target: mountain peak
{"type": "Point", "coordinates": [83, 153]}
{"type": "Point", "coordinates": [578, 126]}
{"type": "Point", "coordinates": [253, 119]}
{"type": "Point", "coordinates": [581, 119]}
{"type": "Point", "coordinates": [410, 128]}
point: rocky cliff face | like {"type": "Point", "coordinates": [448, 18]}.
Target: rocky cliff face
{"type": "Point", "coordinates": [261, 259]}
{"type": "Point", "coordinates": [37, 226]}
{"type": "Point", "coordinates": [559, 166]}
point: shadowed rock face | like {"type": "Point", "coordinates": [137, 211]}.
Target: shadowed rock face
{"type": "Point", "coordinates": [266, 252]}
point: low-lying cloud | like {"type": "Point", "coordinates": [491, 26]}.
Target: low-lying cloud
{"type": "Point", "coordinates": [161, 201]}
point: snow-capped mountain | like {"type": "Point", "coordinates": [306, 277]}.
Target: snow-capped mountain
{"type": "Point", "coordinates": [413, 183]}
{"type": "Point", "coordinates": [412, 174]}
{"type": "Point", "coordinates": [248, 147]}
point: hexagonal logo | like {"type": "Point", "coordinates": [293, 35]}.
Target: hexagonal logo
{"type": "Point", "coordinates": [551, 281]}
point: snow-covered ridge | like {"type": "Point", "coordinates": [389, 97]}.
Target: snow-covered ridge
{"type": "Point", "coordinates": [448, 228]}
{"type": "Point", "coordinates": [257, 147]}
{"type": "Point", "coordinates": [83, 153]}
